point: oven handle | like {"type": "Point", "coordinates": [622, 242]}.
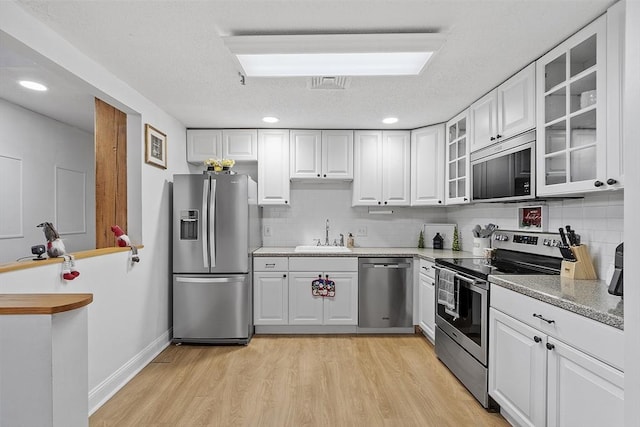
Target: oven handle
{"type": "Point", "coordinates": [470, 283]}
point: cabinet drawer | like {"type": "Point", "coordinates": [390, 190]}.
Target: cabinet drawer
{"type": "Point", "coordinates": [271, 264]}
{"type": "Point", "coordinates": [601, 341]}
{"type": "Point", "coordinates": [426, 267]}
{"type": "Point", "coordinates": [323, 264]}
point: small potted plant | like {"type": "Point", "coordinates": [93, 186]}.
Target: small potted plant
{"type": "Point", "coordinates": [227, 164]}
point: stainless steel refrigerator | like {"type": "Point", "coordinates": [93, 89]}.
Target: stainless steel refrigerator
{"type": "Point", "coordinates": [216, 227]}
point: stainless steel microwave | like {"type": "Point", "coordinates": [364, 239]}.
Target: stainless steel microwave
{"type": "Point", "coordinates": [505, 171]}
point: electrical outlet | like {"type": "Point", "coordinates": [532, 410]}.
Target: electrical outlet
{"type": "Point", "coordinates": [362, 231]}
{"type": "Point", "coordinates": [266, 231]}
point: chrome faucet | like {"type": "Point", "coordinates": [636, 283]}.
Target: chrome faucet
{"type": "Point", "coordinates": [326, 234]}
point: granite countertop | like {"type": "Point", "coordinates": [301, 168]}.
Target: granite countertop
{"type": "Point", "coordinates": [427, 253]}
{"type": "Point", "coordinates": [589, 298]}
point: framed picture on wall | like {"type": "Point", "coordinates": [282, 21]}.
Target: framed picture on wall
{"type": "Point", "coordinates": [156, 147]}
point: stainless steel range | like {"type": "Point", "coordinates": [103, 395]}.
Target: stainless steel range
{"type": "Point", "coordinates": [462, 300]}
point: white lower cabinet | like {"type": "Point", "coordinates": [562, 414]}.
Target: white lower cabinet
{"type": "Point", "coordinates": [282, 291]}
{"type": "Point", "coordinates": [427, 299]}
{"type": "Point", "coordinates": [540, 380]}
{"type": "Point", "coordinates": [306, 309]}
{"type": "Point", "coordinates": [270, 298]}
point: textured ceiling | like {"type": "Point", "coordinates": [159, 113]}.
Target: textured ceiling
{"type": "Point", "coordinates": [171, 52]}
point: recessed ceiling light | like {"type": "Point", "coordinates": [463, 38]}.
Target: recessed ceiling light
{"type": "Point", "coordinates": [390, 120]}
{"type": "Point", "coordinates": [33, 85]}
{"type": "Point", "coordinates": [270, 119]}
{"type": "Point", "coordinates": [384, 54]}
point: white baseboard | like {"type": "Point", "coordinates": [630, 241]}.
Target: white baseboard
{"type": "Point", "coordinates": [114, 382]}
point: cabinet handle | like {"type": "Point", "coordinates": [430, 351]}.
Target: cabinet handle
{"type": "Point", "coordinates": [378, 202]}
{"type": "Point", "coordinates": [541, 317]}
{"type": "Point", "coordinates": [611, 181]}
{"type": "Point", "coordinates": [286, 202]}
{"type": "Point", "coordinates": [270, 265]}
{"type": "Point", "coordinates": [598, 184]}
{"type": "Point", "coordinates": [492, 139]}
{"type": "Point", "coordinates": [284, 275]}
{"type": "Point", "coordinates": [440, 201]}
{"type": "Point", "coordinates": [537, 338]}
{"type": "Point", "coordinates": [385, 203]}
{"type": "Point", "coordinates": [318, 175]}
{"type": "Point", "coordinates": [550, 346]}
{"type": "Point", "coordinates": [465, 199]}
{"type": "Point", "coordinates": [325, 175]}
{"type": "Point", "coordinates": [499, 136]}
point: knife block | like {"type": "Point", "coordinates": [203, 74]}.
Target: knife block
{"type": "Point", "coordinates": [582, 268]}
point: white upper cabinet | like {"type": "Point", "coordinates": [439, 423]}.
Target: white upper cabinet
{"type": "Point", "coordinates": [574, 92]}
{"type": "Point", "coordinates": [237, 144]}
{"type": "Point", "coordinates": [273, 167]}
{"type": "Point", "coordinates": [382, 172]}
{"type": "Point", "coordinates": [203, 144]}
{"type": "Point", "coordinates": [504, 112]}
{"type": "Point", "coordinates": [326, 154]}
{"type": "Point", "coordinates": [240, 144]}
{"type": "Point", "coordinates": [457, 181]}
{"type": "Point", "coordinates": [427, 166]}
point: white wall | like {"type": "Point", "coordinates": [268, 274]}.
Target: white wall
{"type": "Point", "coordinates": [42, 145]}
{"type": "Point", "coordinates": [312, 204]}
{"type": "Point", "coordinates": [129, 320]}
{"type": "Point", "coordinates": [597, 218]}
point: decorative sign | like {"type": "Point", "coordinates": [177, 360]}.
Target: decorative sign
{"type": "Point", "coordinates": [532, 218]}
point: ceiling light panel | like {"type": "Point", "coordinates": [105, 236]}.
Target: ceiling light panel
{"type": "Point", "coordinates": [334, 54]}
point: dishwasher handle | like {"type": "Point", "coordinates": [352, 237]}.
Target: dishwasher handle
{"type": "Point", "coordinates": [390, 265]}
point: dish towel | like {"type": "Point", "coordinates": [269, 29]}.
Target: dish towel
{"type": "Point", "coordinates": [323, 287]}
{"type": "Point", "coordinates": [447, 292]}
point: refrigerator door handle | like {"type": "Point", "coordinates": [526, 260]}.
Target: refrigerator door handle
{"type": "Point", "coordinates": [203, 222]}
{"type": "Point", "coordinates": [238, 279]}
{"type": "Point", "coordinates": [212, 224]}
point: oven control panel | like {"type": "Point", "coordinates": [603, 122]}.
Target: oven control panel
{"type": "Point", "coordinates": [538, 243]}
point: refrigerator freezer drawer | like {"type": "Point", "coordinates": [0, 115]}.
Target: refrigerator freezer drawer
{"type": "Point", "coordinates": [212, 309]}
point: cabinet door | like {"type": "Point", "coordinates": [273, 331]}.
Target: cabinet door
{"type": "Point", "coordinates": [305, 154]}
{"type": "Point", "coordinates": [337, 154]}
{"type": "Point", "coordinates": [427, 166]}
{"type": "Point", "coordinates": [517, 368]}
{"type": "Point", "coordinates": [203, 144]}
{"type": "Point", "coordinates": [582, 391]}
{"type": "Point", "coordinates": [304, 308]}
{"type": "Point", "coordinates": [240, 144]}
{"type": "Point", "coordinates": [427, 319]}
{"type": "Point", "coordinates": [273, 167]}
{"type": "Point", "coordinates": [571, 114]}
{"type": "Point", "coordinates": [484, 121]}
{"type": "Point", "coordinates": [270, 298]}
{"type": "Point", "coordinates": [517, 103]}
{"type": "Point", "coordinates": [367, 168]}
{"type": "Point", "coordinates": [615, 77]}
{"type": "Point", "coordinates": [396, 168]}
{"type": "Point", "coordinates": [457, 183]}
{"type": "Point", "coordinates": [343, 308]}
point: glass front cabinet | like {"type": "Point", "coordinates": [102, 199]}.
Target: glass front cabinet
{"type": "Point", "coordinates": [457, 152]}
{"type": "Point", "coordinates": [571, 115]}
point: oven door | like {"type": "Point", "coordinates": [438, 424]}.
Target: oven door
{"type": "Point", "coordinates": [469, 327]}
{"type": "Point", "coordinates": [504, 171]}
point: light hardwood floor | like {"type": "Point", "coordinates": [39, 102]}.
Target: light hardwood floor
{"type": "Point", "coordinates": [297, 381]}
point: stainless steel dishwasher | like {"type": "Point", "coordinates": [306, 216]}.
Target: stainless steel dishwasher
{"type": "Point", "coordinates": [385, 295]}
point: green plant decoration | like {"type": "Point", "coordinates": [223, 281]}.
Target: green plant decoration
{"type": "Point", "coordinates": [421, 240]}
{"type": "Point", "coordinates": [455, 245]}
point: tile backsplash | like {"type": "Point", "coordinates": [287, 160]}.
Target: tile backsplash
{"type": "Point", "coordinates": [597, 218]}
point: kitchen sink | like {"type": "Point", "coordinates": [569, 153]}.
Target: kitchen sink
{"type": "Point", "coordinates": [323, 249]}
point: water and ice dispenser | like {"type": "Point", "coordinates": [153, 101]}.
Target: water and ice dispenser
{"type": "Point", "coordinates": [189, 220]}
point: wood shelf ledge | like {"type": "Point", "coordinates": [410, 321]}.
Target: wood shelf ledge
{"type": "Point", "coordinates": [42, 303]}
{"type": "Point", "coordinates": [21, 265]}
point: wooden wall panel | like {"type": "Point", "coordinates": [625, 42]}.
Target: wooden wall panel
{"type": "Point", "coordinates": [111, 172]}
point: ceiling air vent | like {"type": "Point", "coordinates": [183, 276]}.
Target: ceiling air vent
{"type": "Point", "coordinates": [331, 83]}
